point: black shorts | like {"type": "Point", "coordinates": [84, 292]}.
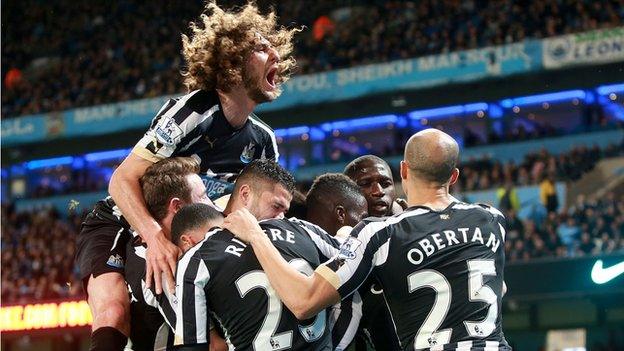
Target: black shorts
{"type": "Point", "coordinates": [145, 322]}
{"type": "Point", "coordinates": [101, 243]}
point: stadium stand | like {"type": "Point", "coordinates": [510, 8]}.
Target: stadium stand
{"type": "Point", "coordinates": [109, 52]}
{"type": "Point", "coordinates": [38, 255]}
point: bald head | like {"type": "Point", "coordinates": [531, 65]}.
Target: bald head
{"type": "Point", "coordinates": [432, 155]}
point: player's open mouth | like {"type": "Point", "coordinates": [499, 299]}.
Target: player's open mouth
{"type": "Point", "coordinates": [271, 77]}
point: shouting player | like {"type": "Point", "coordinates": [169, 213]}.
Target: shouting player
{"type": "Point", "coordinates": [234, 61]}
{"type": "Point", "coordinates": [440, 262]}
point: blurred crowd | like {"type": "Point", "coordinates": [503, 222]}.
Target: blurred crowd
{"type": "Point", "coordinates": [589, 227]}
{"type": "Point", "coordinates": [38, 250]}
{"type": "Point", "coordinates": [486, 173]}
{"type": "Point", "coordinates": [60, 54]}
{"type": "Point", "coordinates": [476, 174]}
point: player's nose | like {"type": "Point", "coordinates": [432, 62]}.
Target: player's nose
{"type": "Point", "coordinates": [377, 190]}
{"type": "Point", "coordinates": [274, 56]}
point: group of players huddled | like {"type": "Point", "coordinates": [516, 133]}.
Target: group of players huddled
{"type": "Point", "coordinates": [197, 247]}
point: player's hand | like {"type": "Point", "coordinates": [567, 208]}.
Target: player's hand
{"type": "Point", "coordinates": [161, 258]}
{"type": "Point", "coordinates": [243, 225]}
{"type": "Point", "coordinates": [398, 206]}
{"type": "Point", "coordinates": [402, 202]}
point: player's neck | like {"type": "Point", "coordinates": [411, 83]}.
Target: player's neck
{"type": "Point", "coordinates": [236, 106]}
{"type": "Point", "coordinates": [165, 224]}
{"type": "Point", "coordinates": [433, 196]}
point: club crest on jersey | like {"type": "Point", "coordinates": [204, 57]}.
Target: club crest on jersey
{"type": "Point", "coordinates": [248, 153]}
{"type": "Point", "coordinates": [115, 261]}
{"type": "Point", "coordinates": [348, 247]}
{"type": "Point", "coordinates": [168, 132]}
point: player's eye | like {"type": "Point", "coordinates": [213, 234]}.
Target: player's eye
{"type": "Point", "coordinates": [261, 47]}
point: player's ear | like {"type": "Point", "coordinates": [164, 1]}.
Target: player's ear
{"type": "Point", "coordinates": [175, 204]}
{"type": "Point", "coordinates": [454, 176]}
{"type": "Point", "coordinates": [403, 170]}
{"type": "Point", "coordinates": [244, 194]}
{"type": "Point", "coordinates": [186, 241]}
{"type": "Point", "coordinates": [341, 214]}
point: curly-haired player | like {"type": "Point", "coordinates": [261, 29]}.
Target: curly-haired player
{"type": "Point", "coordinates": [234, 61]}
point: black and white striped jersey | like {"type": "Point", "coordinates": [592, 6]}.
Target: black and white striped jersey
{"type": "Point", "coordinates": [221, 277]}
{"type": "Point", "coordinates": [441, 273]}
{"type": "Point", "coordinates": [135, 278]}
{"type": "Point", "coordinates": [148, 311]}
{"type": "Point", "coordinates": [194, 125]}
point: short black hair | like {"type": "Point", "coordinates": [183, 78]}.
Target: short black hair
{"type": "Point", "coordinates": [332, 186]}
{"type": "Point", "coordinates": [298, 206]}
{"type": "Point", "coordinates": [192, 217]}
{"type": "Point", "coordinates": [353, 166]}
{"type": "Point", "coordinates": [269, 171]}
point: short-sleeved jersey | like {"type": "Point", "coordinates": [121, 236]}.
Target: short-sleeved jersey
{"type": "Point", "coordinates": [221, 277]}
{"type": "Point", "coordinates": [441, 272]}
{"type": "Point", "coordinates": [194, 125]}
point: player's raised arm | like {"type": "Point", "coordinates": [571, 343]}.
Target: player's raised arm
{"type": "Point", "coordinates": [125, 190]}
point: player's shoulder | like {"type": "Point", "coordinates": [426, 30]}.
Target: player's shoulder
{"type": "Point", "coordinates": [213, 240]}
{"type": "Point", "coordinates": [373, 224]}
{"type": "Point", "coordinates": [305, 224]}
{"type": "Point", "coordinates": [199, 101]}
{"type": "Point", "coordinates": [285, 224]}
{"type": "Point", "coordinates": [260, 125]}
{"type": "Point", "coordinates": [477, 208]}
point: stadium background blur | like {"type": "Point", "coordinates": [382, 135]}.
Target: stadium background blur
{"type": "Point", "coordinates": [533, 91]}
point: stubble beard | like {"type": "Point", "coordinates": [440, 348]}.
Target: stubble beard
{"type": "Point", "coordinates": [254, 90]}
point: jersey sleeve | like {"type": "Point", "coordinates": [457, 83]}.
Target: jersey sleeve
{"type": "Point", "coordinates": [192, 318]}
{"type": "Point", "coordinates": [269, 142]}
{"type": "Point", "coordinates": [167, 132]}
{"type": "Point", "coordinates": [498, 217]}
{"type": "Point", "coordinates": [366, 248]}
{"type": "Point", "coordinates": [270, 147]}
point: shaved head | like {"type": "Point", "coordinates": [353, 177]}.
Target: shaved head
{"type": "Point", "coordinates": [432, 155]}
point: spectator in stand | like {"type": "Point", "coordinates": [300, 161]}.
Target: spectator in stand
{"type": "Point", "coordinates": [569, 232]}
{"type": "Point", "coordinates": [587, 246]}
{"type": "Point", "coordinates": [548, 193]}
{"type": "Point", "coordinates": [508, 197]}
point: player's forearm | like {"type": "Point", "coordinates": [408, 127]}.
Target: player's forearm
{"type": "Point", "coordinates": [296, 290]}
{"type": "Point", "coordinates": [125, 189]}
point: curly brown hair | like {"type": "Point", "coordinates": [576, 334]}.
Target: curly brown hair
{"type": "Point", "coordinates": [221, 41]}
